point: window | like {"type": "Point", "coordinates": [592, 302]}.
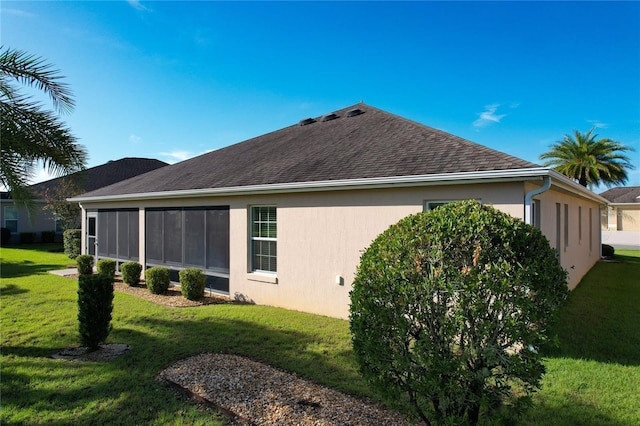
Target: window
{"type": "Point", "coordinates": [590, 231]}
{"type": "Point", "coordinates": [11, 219]}
{"type": "Point", "coordinates": [430, 205]}
{"type": "Point", "coordinates": [580, 225]}
{"type": "Point", "coordinates": [535, 213]}
{"type": "Point", "coordinates": [566, 226]}
{"type": "Point", "coordinates": [264, 239]}
{"type": "Point", "coordinates": [558, 228]}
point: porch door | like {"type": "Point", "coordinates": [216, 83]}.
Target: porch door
{"type": "Point", "coordinates": [91, 239]}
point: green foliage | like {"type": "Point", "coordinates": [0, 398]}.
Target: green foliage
{"type": "Point", "coordinates": [67, 213]}
{"type": "Point", "coordinates": [607, 250]}
{"type": "Point", "coordinates": [5, 236]}
{"type": "Point", "coordinates": [85, 264]}
{"type": "Point", "coordinates": [27, 237]}
{"type": "Point", "coordinates": [589, 160]}
{"type": "Point", "coordinates": [192, 281]}
{"type": "Point", "coordinates": [107, 267]}
{"type": "Point", "coordinates": [131, 272]}
{"type": "Point", "coordinates": [157, 279]}
{"type": "Point", "coordinates": [450, 307]}
{"type": "Point", "coordinates": [95, 305]}
{"type": "Point", "coordinates": [48, 236]}
{"type": "Point", "coordinates": [72, 240]}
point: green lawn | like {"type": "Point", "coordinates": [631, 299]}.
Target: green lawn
{"type": "Point", "coordinates": [592, 379]}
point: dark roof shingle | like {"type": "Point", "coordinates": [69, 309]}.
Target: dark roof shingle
{"type": "Point", "coordinates": [622, 194]}
{"type": "Point", "coordinates": [369, 145]}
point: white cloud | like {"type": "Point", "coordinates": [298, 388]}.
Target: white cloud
{"type": "Point", "coordinates": [598, 124]}
{"type": "Point", "coordinates": [134, 139]}
{"type": "Point", "coordinates": [488, 116]}
{"type": "Point", "coordinates": [176, 156]}
{"type": "Point", "coordinates": [136, 4]}
{"type": "Point", "coordinates": [18, 12]}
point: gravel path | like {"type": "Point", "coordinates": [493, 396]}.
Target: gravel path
{"type": "Point", "coordinates": [262, 395]}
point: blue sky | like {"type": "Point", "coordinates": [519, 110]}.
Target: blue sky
{"type": "Point", "coordinates": [171, 80]}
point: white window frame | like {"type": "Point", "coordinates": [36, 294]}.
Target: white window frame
{"type": "Point", "coordinates": [253, 239]}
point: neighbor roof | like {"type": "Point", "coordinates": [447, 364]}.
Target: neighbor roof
{"type": "Point", "coordinates": [623, 194]}
{"type": "Point", "coordinates": [357, 142]}
{"type": "Point", "coordinates": [104, 175]}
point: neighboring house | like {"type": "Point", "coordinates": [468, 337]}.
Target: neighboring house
{"type": "Point", "coordinates": [282, 219]}
{"type": "Point", "coordinates": [17, 219]}
{"type": "Point", "coordinates": [623, 213]}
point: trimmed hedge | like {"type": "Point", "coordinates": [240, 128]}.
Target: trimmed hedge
{"type": "Point", "coordinates": [95, 305]}
{"type": "Point", "coordinates": [5, 236]}
{"type": "Point", "coordinates": [72, 239]}
{"type": "Point", "coordinates": [158, 280]}
{"type": "Point", "coordinates": [131, 272]}
{"type": "Point", "coordinates": [48, 236]}
{"type": "Point", "coordinates": [85, 264]}
{"type": "Point", "coordinates": [106, 267]}
{"type": "Point", "coordinates": [192, 281]}
{"type": "Point", "coordinates": [27, 237]}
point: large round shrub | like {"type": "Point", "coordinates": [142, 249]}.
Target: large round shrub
{"type": "Point", "coordinates": [192, 281]}
{"type": "Point", "coordinates": [158, 279]}
{"type": "Point", "coordinates": [449, 308]}
{"type": "Point", "coordinates": [131, 272]}
{"type": "Point", "coordinates": [95, 305]}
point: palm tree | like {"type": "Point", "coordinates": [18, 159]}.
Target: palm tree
{"type": "Point", "coordinates": [29, 133]}
{"type": "Point", "coordinates": [589, 160]}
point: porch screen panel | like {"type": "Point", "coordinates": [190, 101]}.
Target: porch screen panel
{"type": "Point", "coordinates": [103, 234]}
{"type": "Point", "coordinates": [112, 235]}
{"type": "Point", "coordinates": [218, 240]}
{"type": "Point", "coordinates": [123, 235]}
{"type": "Point", "coordinates": [194, 238]}
{"type": "Point", "coordinates": [173, 237]}
{"type": "Point", "coordinates": [154, 236]}
{"type": "Point", "coordinates": [134, 235]}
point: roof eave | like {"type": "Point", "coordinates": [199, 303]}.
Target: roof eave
{"type": "Point", "coordinates": [347, 184]}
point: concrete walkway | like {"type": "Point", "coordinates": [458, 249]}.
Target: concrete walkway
{"type": "Point", "coordinates": [64, 272]}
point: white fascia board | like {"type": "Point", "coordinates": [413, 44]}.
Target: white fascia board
{"type": "Point", "coordinates": [512, 175]}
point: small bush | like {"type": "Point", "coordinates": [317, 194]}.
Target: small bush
{"type": "Point", "coordinates": [131, 272]}
{"type": "Point", "coordinates": [192, 282]}
{"type": "Point", "coordinates": [157, 279]}
{"type": "Point", "coordinates": [72, 239]}
{"type": "Point", "coordinates": [5, 236]}
{"type": "Point", "coordinates": [106, 267]}
{"type": "Point", "coordinates": [607, 250]}
{"type": "Point", "coordinates": [48, 236]}
{"type": "Point", "coordinates": [27, 237]}
{"type": "Point", "coordinates": [85, 264]}
{"type": "Point", "coordinates": [95, 305]}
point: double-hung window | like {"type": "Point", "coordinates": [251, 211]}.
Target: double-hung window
{"type": "Point", "coordinates": [11, 219]}
{"type": "Point", "coordinates": [264, 243]}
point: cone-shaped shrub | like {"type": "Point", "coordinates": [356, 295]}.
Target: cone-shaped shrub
{"type": "Point", "coordinates": [107, 267]}
{"type": "Point", "coordinates": [131, 272]}
{"type": "Point", "coordinates": [85, 264]}
{"type": "Point", "coordinates": [95, 305]}
{"type": "Point", "coordinates": [71, 239]}
{"type": "Point", "coordinates": [157, 279]}
{"type": "Point", "coordinates": [192, 282]}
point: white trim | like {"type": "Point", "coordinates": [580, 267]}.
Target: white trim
{"type": "Point", "coordinates": [512, 175]}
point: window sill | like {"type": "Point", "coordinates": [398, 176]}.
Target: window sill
{"type": "Point", "coordinates": [263, 278]}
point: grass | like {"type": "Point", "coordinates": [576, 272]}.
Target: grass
{"type": "Point", "coordinates": [592, 378]}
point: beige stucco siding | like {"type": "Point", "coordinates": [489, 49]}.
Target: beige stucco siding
{"type": "Point", "coordinates": [321, 235]}
{"type": "Point", "coordinates": [40, 220]}
{"type": "Point", "coordinates": [581, 250]}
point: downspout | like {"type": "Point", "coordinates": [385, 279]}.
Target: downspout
{"type": "Point", "coordinates": [528, 198]}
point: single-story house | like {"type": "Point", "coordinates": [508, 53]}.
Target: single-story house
{"type": "Point", "coordinates": [282, 219]}
{"type": "Point", "coordinates": [623, 213]}
{"type": "Point", "coordinates": [17, 219]}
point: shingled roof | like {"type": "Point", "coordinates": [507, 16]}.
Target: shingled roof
{"type": "Point", "coordinates": [623, 194]}
{"type": "Point", "coordinates": [357, 142]}
{"type": "Point", "coordinates": [104, 175]}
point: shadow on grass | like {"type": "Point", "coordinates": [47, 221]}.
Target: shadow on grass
{"type": "Point", "coordinates": [24, 268]}
{"type": "Point", "coordinates": [12, 289]}
{"type": "Point", "coordinates": [122, 389]}
{"type": "Point", "coordinates": [601, 319]}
